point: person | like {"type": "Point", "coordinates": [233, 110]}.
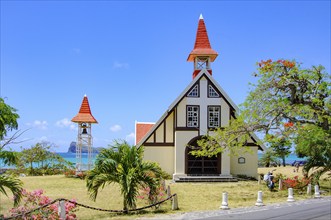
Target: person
{"type": "Point", "coordinates": [269, 180]}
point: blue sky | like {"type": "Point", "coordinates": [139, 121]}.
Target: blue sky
{"type": "Point", "coordinates": [129, 57]}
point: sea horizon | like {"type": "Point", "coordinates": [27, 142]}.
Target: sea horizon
{"type": "Point", "coordinates": [71, 157]}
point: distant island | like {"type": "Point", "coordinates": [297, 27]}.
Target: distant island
{"type": "Point", "coordinates": [72, 148]}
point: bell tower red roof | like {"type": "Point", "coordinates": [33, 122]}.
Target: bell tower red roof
{"type": "Point", "coordinates": [84, 114]}
{"type": "Point", "coordinates": [202, 45]}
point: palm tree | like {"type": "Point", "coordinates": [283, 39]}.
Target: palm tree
{"type": "Point", "coordinates": [123, 164]}
{"type": "Point", "coordinates": [10, 182]}
{"type": "Point", "coordinates": [268, 158]}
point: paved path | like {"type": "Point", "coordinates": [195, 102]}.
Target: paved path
{"type": "Point", "coordinates": [318, 209]}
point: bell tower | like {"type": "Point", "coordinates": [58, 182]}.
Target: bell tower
{"type": "Point", "coordinates": [84, 119]}
{"type": "Point", "coordinates": [202, 54]}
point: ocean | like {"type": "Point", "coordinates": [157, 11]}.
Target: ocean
{"type": "Point", "coordinates": [289, 159]}
{"type": "Point", "coordinates": [71, 157]}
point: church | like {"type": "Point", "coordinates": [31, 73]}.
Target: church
{"type": "Point", "coordinates": [201, 107]}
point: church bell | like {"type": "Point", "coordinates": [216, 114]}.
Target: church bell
{"type": "Point", "coordinates": [84, 129]}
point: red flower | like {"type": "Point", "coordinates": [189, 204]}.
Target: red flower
{"type": "Point", "coordinates": [288, 124]}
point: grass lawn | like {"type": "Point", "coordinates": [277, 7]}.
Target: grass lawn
{"type": "Point", "coordinates": [191, 196]}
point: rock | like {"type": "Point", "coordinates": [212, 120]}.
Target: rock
{"type": "Point", "coordinates": [72, 148]}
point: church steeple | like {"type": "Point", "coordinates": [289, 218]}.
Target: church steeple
{"type": "Point", "coordinates": [202, 54]}
{"type": "Point", "coordinates": [84, 119]}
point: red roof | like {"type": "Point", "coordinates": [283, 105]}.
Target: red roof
{"type": "Point", "coordinates": [202, 44]}
{"type": "Point", "coordinates": [142, 129]}
{"type": "Point", "coordinates": [84, 114]}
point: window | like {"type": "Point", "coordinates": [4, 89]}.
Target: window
{"type": "Point", "coordinates": [192, 116]}
{"type": "Point", "coordinates": [241, 160]}
{"type": "Point", "coordinates": [212, 92]}
{"type": "Point", "coordinates": [214, 114]}
{"type": "Point", "coordinates": [194, 91]}
{"type": "Point", "coordinates": [202, 63]}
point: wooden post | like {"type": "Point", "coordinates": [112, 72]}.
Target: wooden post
{"type": "Point", "coordinates": [280, 184]}
{"type": "Point", "coordinates": [175, 202]}
{"type": "Point", "coordinates": [309, 189]}
{"type": "Point", "coordinates": [164, 185]}
{"type": "Point", "coordinates": [259, 179]}
{"type": "Point", "coordinates": [168, 191]}
{"type": "Point", "coordinates": [62, 210]}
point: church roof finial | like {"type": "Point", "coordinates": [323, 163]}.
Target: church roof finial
{"type": "Point", "coordinates": [200, 17]}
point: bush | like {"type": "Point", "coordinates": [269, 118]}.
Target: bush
{"type": "Point", "coordinates": [149, 198]}
{"type": "Point", "coordinates": [69, 173]}
{"type": "Point", "coordinates": [295, 182]}
{"type": "Point", "coordinates": [35, 199]}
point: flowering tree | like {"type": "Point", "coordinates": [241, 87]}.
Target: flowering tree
{"type": "Point", "coordinates": [287, 101]}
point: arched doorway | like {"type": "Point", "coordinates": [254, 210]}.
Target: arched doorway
{"type": "Point", "coordinates": [200, 166]}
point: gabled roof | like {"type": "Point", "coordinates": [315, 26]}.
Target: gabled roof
{"type": "Point", "coordinates": [202, 44]}
{"type": "Point", "coordinates": [84, 114]}
{"type": "Point", "coordinates": [141, 129]}
{"type": "Point", "coordinates": [202, 73]}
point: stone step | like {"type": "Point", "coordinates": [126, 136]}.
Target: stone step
{"type": "Point", "coordinates": [204, 179]}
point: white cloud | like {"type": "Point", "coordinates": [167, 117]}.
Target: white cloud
{"type": "Point", "coordinates": [118, 65]}
{"type": "Point", "coordinates": [65, 123]}
{"type": "Point", "coordinates": [115, 128]}
{"type": "Point", "coordinates": [38, 124]}
{"type": "Point", "coordinates": [130, 138]}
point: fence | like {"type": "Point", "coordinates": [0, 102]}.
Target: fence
{"type": "Point", "coordinates": [62, 212]}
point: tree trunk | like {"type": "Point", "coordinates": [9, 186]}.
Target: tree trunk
{"type": "Point", "coordinates": [125, 206]}
{"type": "Point", "coordinates": [283, 158]}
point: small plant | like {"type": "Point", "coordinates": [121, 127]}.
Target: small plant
{"type": "Point", "coordinates": [69, 173]}
{"type": "Point", "coordinates": [81, 175]}
{"type": "Point", "coordinates": [152, 198]}
{"type": "Point", "coordinates": [35, 199]}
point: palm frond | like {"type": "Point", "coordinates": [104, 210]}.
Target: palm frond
{"type": "Point", "coordinates": [14, 185]}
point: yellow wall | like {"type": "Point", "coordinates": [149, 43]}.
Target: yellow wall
{"type": "Point", "coordinates": [162, 155]}
{"type": "Point", "coordinates": [181, 113]}
{"type": "Point", "coordinates": [170, 128]}
{"type": "Point", "coordinates": [151, 139]}
{"type": "Point", "coordinates": [225, 112]}
{"type": "Point", "coordinates": [249, 168]}
{"type": "Point", "coordinates": [160, 134]}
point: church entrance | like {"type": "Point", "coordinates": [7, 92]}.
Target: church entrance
{"type": "Point", "coordinates": [201, 166]}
